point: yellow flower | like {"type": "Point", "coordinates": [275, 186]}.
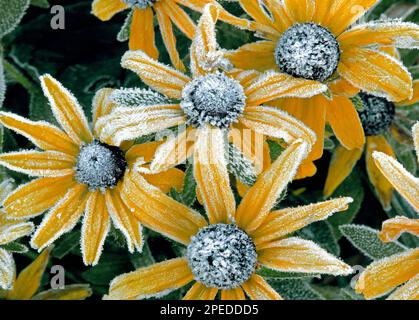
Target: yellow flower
{"type": "Point", "coordinates": [377, 117]}
{"type": "Point", "coordinates": [167, 12]}
{"type": "Point", "coordinates": [309, 39]}
{"type": "Point", "coordinates": [79, 174]}
{"type": "Point", "coordinates": [27, 284]}
{"type": "Point", "coordinates": [10, 230]}
{"type": "Point", "coordinates": [225, 254]}
{"type": "Point", "coordinates": [215, 102]}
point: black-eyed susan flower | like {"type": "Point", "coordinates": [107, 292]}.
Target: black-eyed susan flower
{"type": "Point", "coordinates": [27, 283]}
{"type": "Point", "coordinates": [225, 254]}
{"type": "Point", "coordinates": [309, 39]}
{"type": "Point", "coordinates": [79, 175]}
{"type": "Point", "coordinates": [379, 117]}
{"type": "Point", "coordinates": [168, 12]}
{"type": "Point", "coordinates": [10, 230]}
{"type": "Point", "coordinates": [215, 102]}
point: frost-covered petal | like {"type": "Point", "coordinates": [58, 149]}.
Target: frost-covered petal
{"type": "Point", "coordinates": [33, 198]}
{"type": "Point", "coordinates": [233, 294]}
{"type": "Point", "coordinates": [42, 134]}
{"type": "Point", "coordinates": [66, 110]}
{"type": "Point", "coordinates": [143, 152]}
{"type": "Point", "coordinates": [200, 292]}
{"type": "Point", "coordinates": [70, 292]}
{"type": "Point", "coordinates": [344, 120]}
{"type": "Point", "coordinates": [62, 217]}
{"type": "Point", "coordinates": [212, 177]}
{"type": "Point", "coordinates": [384, 275]}
{"type": "Point", "coordinates": [388, 33]}
{"type": "Point", "coordinates": [245, 77]}
{"type": "Point", "coordinates": [402, 180]}
{"type": "Point", "coordinates": [300, 10]}
{"type": "Point", "coordinates": [342, 87]}
{"type": "Point", "coordinates": [172, 178]}
{"type": "Point", "coordinates": [142, 32]}
{"type": "Point", "coordinates": [408, 291]}
{"type": "Point", "coordinates": [393, 228]}
{"type": "Point", "coordinates": [254, 9]}
{"type": "Point", "coordinates": [414, 99]}
{"type": "Point", "coordinates": [154, 281]}
{"type": "Point", "coordinates": [7, 269]}
{"type": "Point", "coordinates": [273, 85]}
{"type": "Point", "coordinates": [95, 228]}
{"type": "Point", "coordinates": [123, 219]}
{"type": "Point", "coordinates": [29, 279]}
{"type": "Point", "coordinates": [158, 211]}
{"type": "Point", "coordinates": [341, 165]}
{"type": "Point", "coordinates": [415, 134]}
{"type": "Point", "coordinates": [275, 123]}
{"type": "Point", "coordinates": [322, 11]}
{"type": "Point", "coordinates": [299, 255]}
{"type": "Point", "coordinates": [257, 55]}
{"type": "Point", "coordinates": [41, 164]}
{"type": "Point", "coordinates": [11, 231]}
{"type": "Point", "coordinates": [106, 9]}
{"type": "Point", "coordinates": [263, 195]}
{"type": "Point", "coordinates": [130, 123]}
{"type": "Point", "coordinates": [279, 15]}
{"type": "Point", "coordinates": [376, 73]}
{"type": "Point", "coordinates": [258, 289]}
{"type": "Point", "coordinates": [286, 221]}
{"type": "Point", "coordinates": [179, 17]}
{"type": "Point", "coordinates": [102, 103]}
{"type": "Point", "coordinates": [158, 76]}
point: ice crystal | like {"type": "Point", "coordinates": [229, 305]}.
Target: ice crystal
{"type": "Point", "coordinates": [377, 114]}
{"type": "Point", "coordinates": [215, 99]}
{"type": "Point", "coordinates": [100, 165]}
{"type": "Point", "coordinates": [142, 4]}
{"type": "Point", "coordinates": [136, 97]}
{"type": "Point", "coordinates": [309, 51]}
{"type": "Point", "coordinates": [222, 256]}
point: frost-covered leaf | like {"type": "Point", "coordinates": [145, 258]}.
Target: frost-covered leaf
{"type": "Point", "coordinates": [241, 167]}
{"type": "Point", "coordinates": [143, 259]}
{"type": "Point", "coordinates": [189, 187]}
{"type": "Point", "coordinates": [135, 97]}
{"type": "Point", "coordinates": [11, 12]}
{"type": "Point", "coordinates": [321, 233]}
{"type": "Point", "coordinates": [40, 3]}
{"type": "Point", "coordinates": [123, 34]}
{"type": "Point", "coordinates": [2, 83]}
{"type": "Point", "coordinates": [66, 244]}
{"type": "Point", "coordinates": [328, 144]}
{"type": "Point", "coordinates": [274, 274]}
{"type": "Point", "coordinates": [366, 240]}
{"type": "Point", "coordinates": [400, 10]}
{"type": "Point", "coordinates": [274, 149]}
{"type": "Point", "coordinates": [329, 292]}
{"type": "Point", "coordinates": [15, 247]}
{"type": "Point", "coordinates": [295, 289]}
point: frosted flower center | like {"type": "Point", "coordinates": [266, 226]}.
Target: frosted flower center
{"type": "Point", "coordinates": [222, 256]}
{"type": "Point", "coordinates": [215, 99]}
{"type": "Point", "coordinates": [142, 4]}
{"type": "Point", "coordinates": [308, 51]}
{"type": "Point", "coordinates": [377, 114]}
{"type": "Point", "coordinates": [100, 165]}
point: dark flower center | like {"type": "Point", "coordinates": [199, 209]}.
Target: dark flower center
{"type": "Point", "coordinates": [377, 115]}
{"type": "Point", "coordinates": [309, 51]}
{"type": "Point", "coordinates": [100, 165]}
{"type": "Point", "coordinates": [142, 4]}
{"type": "Point", "coordinates": [215, 99]}
{"type": "Point", "coordinates": [222, 256]}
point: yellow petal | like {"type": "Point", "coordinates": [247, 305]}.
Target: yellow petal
{"type": "Point", "coordinates": [409, 291]}
{"type": "Point", "coordinates": [158, 211]}
{"type": "Point", "coordinates": [254, 9]}
{"type": "Point", "coordinates": [7, 270]}
{"type": "Point", "coordinates": [263, 195]}
{"type": "Point", "coordinates": [233, 294]}
{"type": "Point", "coordinates": [382, 186]}
{"type": "Point", "coordinates": [35, 197]}
{"type": "Point", "coordinates": [384, 275]}
{"type": "Point", "coordinates": [123, 219]}
{"type": "Point", "coordinates": [95, 228]}
{"type": "Point", "coordinates": [154, 281]}
{"type": "Point", "coordinates": [245, 77]}
{"type": "Point", "coordinates": [345, 122]}
{"type": "Point", "coordinates": [102, 104]}
{"type": "Point", "coordinates": [35, 163]}
{"type": "Point", "coordinates": [70, 292]}
{"type": "Point", "coordinates": [142, 32]}
{"type": "Point", "coordinates": [341, 165]}
{"type": "Point", "coordinates": [106, 9]}
{"type": "Point", "coordinates": [393, 228]}
{"type": "Point", "coordinates": [306, 169]}
{"type": "Point", "coordinates": [158, 76]}
{"type": "Point", "coordinates": [62, 218]}
{"type": "Point", "coordinates": [144, 152]}
{"type": "Point", "coordinates": [180, 18]}
{"type": "Point", "coordinates": [376, 73]}
{"type": "Point", "coordinates": [14, 230]}
{"type": "Point", "coordinates": [258, 289]}
{"type": "Point", "coordinates": [29, 280]}
{"type": "Point", "coordinates": [200, 292]}
{"type": "Point", "coordinates": [279, 15]}
{"type": "Point", "coordinates": [322, 11]}
{"type": "Point", "coordinates": [166, 180]}
{"type": "Point", "coordinates": [212, 178]}
{"type": "Point", "coordinates": [343, 88]}
{"type": "Point", "coordinates": [273, 85]}
{"type": "Point", "coordinates": [280, 223]}
{"type": "Point", "coordinates": [66, 110]}
{"type": "Point", "coordinates": [414, 99]}
{"type": "Point", "coordinates": [130, 123]}
{"type": "Point", "coordinates": [258, 55]}
{"type": "Point", "coordinates": [41, 134]}
{"type": "Point", "coordinates": [299, 255]}
{"type": "Point", "coordinates": [300, 10]}
{"type": "Point", "coordinates": [415, 134]}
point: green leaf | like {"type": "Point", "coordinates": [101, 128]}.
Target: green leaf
{"type": "Point", "coordinates": [2, 83]}
{"type": "Point", "coordinates": [40, 3]}
{"type": "Point", "coordinates": [123, 34]}
{"type": "Point", "coordinates": [66, 244]}
{"type": "Point", "coordinates": [241, 167]}
{"type": "Point", "coordinates": [189, 187]}
{"type": "Point", "coordinates": [15, 247]}
{"type": "Point", "coordinates": [274, 149]}
{"type": "Point", "coordinates": [143, 259]}
{"type": "Point", "coordinates": [357, 102]}
{"type": "Point", "coordinates": [295, 289]}
{"type": "Point", "coordinates": [274, 274]}
{"type": "Point", "coordinates": [366, 240]}
{"type": "Point", "coordinates": [11, 12]}
{"type": "Point", "coordinates": [322, 234]}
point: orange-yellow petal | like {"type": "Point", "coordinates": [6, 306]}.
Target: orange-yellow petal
{"type": "Point", "coordinates": [106, 9]}
{"type": "Point", "coordinates": [415, 97]}
{"type": "Point", "coordinates": [200, 292]}
{"type": "Point", "coordinates": [300, 11]}
{"type": "Point", "coordinates": [342, 87]}
{"type": "Point", "coordinates": [180, 18]}
{"type": "Point", "coordinates": [7, 270]}
{"type": "Point", "coordinates": [142, 32]}
{"type": "Point", "coordinates": [70, 292]}
{"type": "Point", "coordinates": [408, 291]}
{"type": "Point", "coordinates": [233, 294]}
{"type": "Point", "coordinates": [258, 55]}
{"type": "Point", "coordinates": [258, 289]}
{"type": "Point", "coordinates": [393, 228]}
{"type": "Point", "coordinates": [166, 180]}
{"type": "Point", "coordinates": [143, 152]}
{"type": "Point", "coordinates": [102, 104]}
